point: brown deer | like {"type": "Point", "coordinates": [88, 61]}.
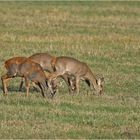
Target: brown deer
{"type": "Point", "coordinates": [29, 70]}
{"type": "Point", "coordinates": [67, 65]}
{"type": "Point", "coordinates": [45, 59]}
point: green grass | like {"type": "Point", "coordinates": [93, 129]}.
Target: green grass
{"type": "Point", "coordinates": [105, 35]}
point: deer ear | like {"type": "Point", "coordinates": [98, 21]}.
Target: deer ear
{"type": "Point", "coordinates": [99, 82]}
{"type": "Point", "coordinates": [100, 79]}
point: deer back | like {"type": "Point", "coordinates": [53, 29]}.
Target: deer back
{"type": "Point", "coordinates": [44, 59]}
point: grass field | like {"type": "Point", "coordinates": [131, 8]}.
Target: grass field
{"type": "Point", "coordinates": [105, 35]}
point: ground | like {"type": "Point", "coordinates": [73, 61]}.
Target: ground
{"type": "Point", "coordinates": [106, 36]}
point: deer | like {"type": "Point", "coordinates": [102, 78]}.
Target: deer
{"type": "Point", "coordinates": [45, 60]}
{"type": "Point", "coordinates": [27, 69]}
{"type": "Point", "coordinates": [67, 65]}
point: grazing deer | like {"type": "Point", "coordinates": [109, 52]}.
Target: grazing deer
{"type": "Point", "coordinates": [29, 70]}
{"type": "Point", "coordinates": [67, 65]}
{"type": "Point", "coordinates": [45, 60]}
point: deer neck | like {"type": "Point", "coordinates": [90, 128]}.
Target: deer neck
{"type": "Point", "coordinates": [91, 77]}
{"type": "Point", "coordinates": [53, 61]}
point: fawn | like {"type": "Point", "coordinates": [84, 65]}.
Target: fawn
{"type": "Point", "coordinates": [29, 70]}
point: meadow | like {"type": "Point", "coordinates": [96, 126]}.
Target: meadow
{"type": "Point", "coordinates": [105, 35]}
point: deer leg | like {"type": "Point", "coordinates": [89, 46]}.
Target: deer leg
{"type": "Point", "coordinates": [67, 81]}
{"type": "Point", "coordinates": [5, 78]}
{"type": "Point", "coordinates": [72, 83]}
{"type": "Point", "coordinates": [42, 91]}
{"type": "Point", "coordinates": [35, 88]}
{"type": "Point", "coordinates": [21, 84]}
{"type": "Point", "coordinates": [27, 84]}
{"type": "Point", "coordinates": [77, 85]}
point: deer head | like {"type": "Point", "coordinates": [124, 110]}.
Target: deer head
{"type": "Point", "coordinates": [52, 84]}
{"type": "Point", "coordinates": [100, 83]}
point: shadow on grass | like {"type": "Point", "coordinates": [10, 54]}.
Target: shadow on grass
{"type": "Point", "coordinates": [13, 89]}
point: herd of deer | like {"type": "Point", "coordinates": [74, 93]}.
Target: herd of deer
{"type": "Point", "coordinates": [32, 69]}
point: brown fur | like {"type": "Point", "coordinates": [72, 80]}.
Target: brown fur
{"type": "Point", "coordinates": [47, 62]}
{"type": "Point", "coordinates": [80, 70]}
{"type": "Point", "coordinates": [29, 70]}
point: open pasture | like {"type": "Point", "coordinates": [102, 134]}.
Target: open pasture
{"type": "Point", "coordinates": [105, 35]}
